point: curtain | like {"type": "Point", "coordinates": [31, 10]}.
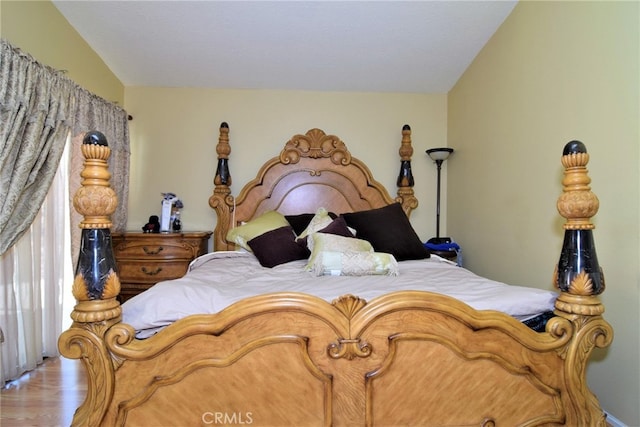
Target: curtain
{"type": "Point", "coordinates": [36, 104]}
{"type": "Point", "coordinates": [33, 275]}
{"type": "Point", "coordinates": [40, 109]}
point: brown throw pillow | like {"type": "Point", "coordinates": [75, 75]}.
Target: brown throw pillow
{"type": "Point", "coordinates": [388, 230]}
{"type": "Point", "coordinates": [277, 247]}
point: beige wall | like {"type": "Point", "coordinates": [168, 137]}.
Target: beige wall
{"type": "Point", "coordinates": [554, 72]}
{"type": "Point", "coordinates": [175, 130]}
{"type": "Point", "coordinates": [36, 27]}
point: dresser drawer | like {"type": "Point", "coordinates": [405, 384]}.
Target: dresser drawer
{"type": "Point", "coordinates": [155, 250]}
{"type": "Point", "coordinates": [150, 272]}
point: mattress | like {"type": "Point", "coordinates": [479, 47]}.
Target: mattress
{"type": "Point", "coordinates": [218, 279]}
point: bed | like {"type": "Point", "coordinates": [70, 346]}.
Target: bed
{"type": "Point", "coordinates": [287, 354]}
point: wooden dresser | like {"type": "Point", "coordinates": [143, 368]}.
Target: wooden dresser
{"type": "Point", "coordinates": [145, 259]}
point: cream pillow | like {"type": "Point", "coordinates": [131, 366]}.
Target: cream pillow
{"type": "Point", "coordinates": [352, 263]}
{"type": "Point", "coordinates": [323, 242]}
{"type": "Point", "coordinates": [319, 221]}
{"type": "Point", "coordinates": [268, 221]}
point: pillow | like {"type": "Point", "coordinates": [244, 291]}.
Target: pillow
{"type": "Point", "coordinates": [277, 246]}
{"type": "Point", "coordinates": [320, 220]}
{"type": "Point", "coordinates": [268, 221]}
{"type": "Point", "coordinates": [352, 263]}
{"type": "Point", "coordinates": [338, 226]}
{"type": "Point", "coordinates": [322, 242]}
{"type": "Point", "coordinates": [300, 221]}
{"type": "Point", "coordinates": [389, 230]}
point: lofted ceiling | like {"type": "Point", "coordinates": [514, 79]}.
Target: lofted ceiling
{"type": "Point", "coordinates": [363, 46]}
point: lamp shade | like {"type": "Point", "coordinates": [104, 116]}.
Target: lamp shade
{"type": "Point", "coordinates": [439, 153]}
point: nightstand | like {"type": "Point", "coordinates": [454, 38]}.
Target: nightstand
{"type": "Point", "coordinates": [144, 259]}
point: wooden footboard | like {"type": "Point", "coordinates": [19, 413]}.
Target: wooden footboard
{"type": "Point", "coordinates": [406, 358]}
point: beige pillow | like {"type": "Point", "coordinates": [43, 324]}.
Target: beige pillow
{"type": "Point", "coordinates": [319, 221]}
{"type": "Point", "coordinates": [352, 263]}
{"type": "Point", "coordinates": [268, 221]}
{"type": "Point", "coordinates": [323, 242]}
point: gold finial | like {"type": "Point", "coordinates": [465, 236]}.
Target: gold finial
{"type": "Point", "coordinates": [406, 149]}
{"type": "Point", "coordinates": [577, 203]}
{"type": "Point", "coordinates": [95, 200]}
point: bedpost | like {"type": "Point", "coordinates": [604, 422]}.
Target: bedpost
{"type": "Point", "coordinates": [221, 199]}
{"type": "Point", "coordinates": [578, 274]}
{"type": "Point", "coordinates": [580, 280]}
{"type": "Point", "coordinates": [96, 284]}
{"type": "Point", "coordinates": [405, 178]}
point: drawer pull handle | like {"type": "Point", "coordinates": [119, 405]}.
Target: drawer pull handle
{"type": "Point", "coordinates": [152, 252]}
{"type": "Point", "coordinates": [151, 273]}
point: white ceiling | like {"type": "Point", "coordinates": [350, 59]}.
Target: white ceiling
{"type": "Point", "coordinates": [364, 46]}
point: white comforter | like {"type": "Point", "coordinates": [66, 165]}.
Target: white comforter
{"type": "Point", "coordinates": [218, 279]}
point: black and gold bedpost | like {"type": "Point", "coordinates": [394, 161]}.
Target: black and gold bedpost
{"type": "Point", "coordinates": [96, 284]}
{"type": "Point", "coordinates": [580, 280]}
{"type": "Point", "coordinates": [578, 274]}
{"type": "Point", "coordinates": [405, 178]}
{"type": "Point", "coordinates": [96, 276]}
{"type": "Point", "coordinates": [223, 149]}
{"type": "Point", "coordinates": [221, 199]}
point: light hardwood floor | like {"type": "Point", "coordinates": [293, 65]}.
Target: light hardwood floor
{"type": "Point", "coordinates": [46, 396]}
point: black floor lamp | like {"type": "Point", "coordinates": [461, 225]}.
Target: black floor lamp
{"type": "Point", "coordinates": [439, 155]}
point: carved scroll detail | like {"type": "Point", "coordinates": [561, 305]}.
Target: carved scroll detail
{"type": "Point", "coordinates": [407, 199]}
{"type": "Point", "coordinates": [315, 144]}
{"type": "Point", "coordinates": [84, 342]}
{"type": "Point", "coordinates": [590, 332]}
{"type": "Point", "coordinates": [222, 202]}
{"type": "Point", "coordinates": [349, 349]}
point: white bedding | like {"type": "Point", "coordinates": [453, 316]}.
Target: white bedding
{"type": "Point", "coordinates": [218, 279]}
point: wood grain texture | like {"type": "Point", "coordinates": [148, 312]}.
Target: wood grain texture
{"type": "Point", "coordinates": [46, 396]}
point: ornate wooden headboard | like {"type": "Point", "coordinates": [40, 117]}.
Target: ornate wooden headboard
{"type": "Point", "coordinates": [313, 170]}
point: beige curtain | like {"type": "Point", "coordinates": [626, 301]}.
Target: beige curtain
{"type": "Point", "coordinates": [36, 108]}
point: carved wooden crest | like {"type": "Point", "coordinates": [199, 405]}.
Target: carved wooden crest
{"type": "Point", "coordinates": [315, 144]}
